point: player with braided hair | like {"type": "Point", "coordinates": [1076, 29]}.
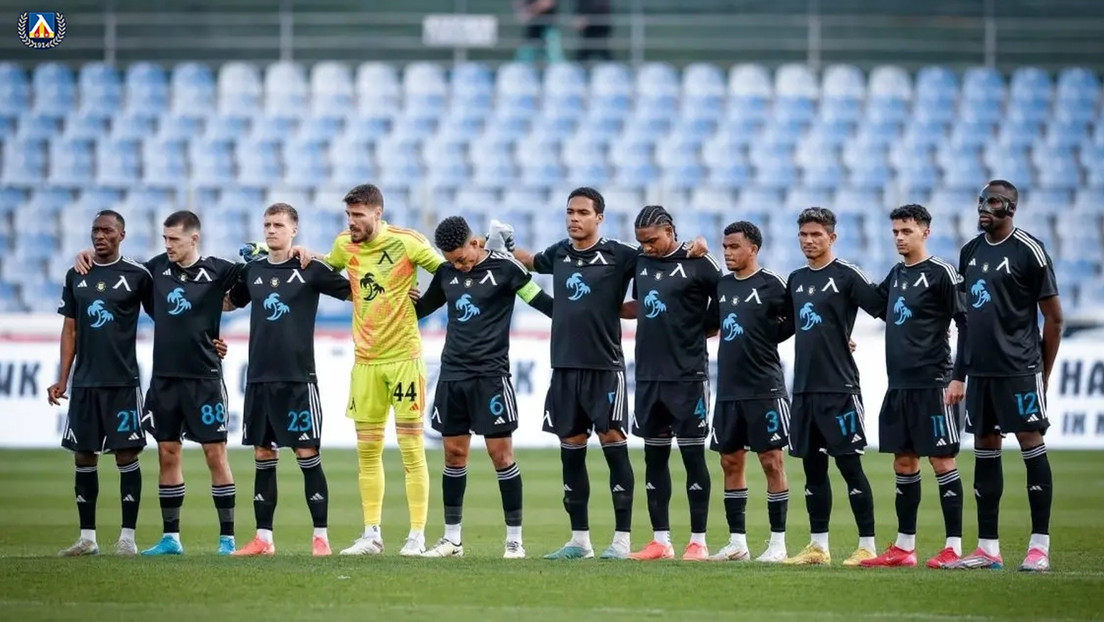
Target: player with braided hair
{"type": "Point", "coordinates": [474, 393]}
{"type": "Point", "coordinates": [676, 292]}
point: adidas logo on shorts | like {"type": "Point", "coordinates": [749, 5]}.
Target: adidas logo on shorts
{"type": "Point", "coordinates": [499, 421]}
{"type": "Point", "coordinates": [856, 439]}
{"type": "Point", "coordinates": [775, 438]}
{"type": "Point", "coordinates": [941, 443]}
{"type": "Point", "coordinates": [1032, 418]}
{"type": "Point", "coordinates": [304, 437]}
{"type": "Point", "coordinates": [701, 424]}
{"type": "Point", "coordinates": [221, 428]}
{"type": "Point", "coordinates": [134, 437]}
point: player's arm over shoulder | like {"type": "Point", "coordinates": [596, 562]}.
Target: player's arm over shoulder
{"type": "Point", "coordinates": [327, 280]}
{"type": "Point", "coordinates": [526, 288]}
{"type": "Point", "coordinates": [418, 248]}
{"type": "Point", "coordinates": [543, 261]}
{"type": "Point", "coordinates": [238, 294]}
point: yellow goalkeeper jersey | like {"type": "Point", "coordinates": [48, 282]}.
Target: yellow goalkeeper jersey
{"type": "Point", "coordinates": [382, 273]}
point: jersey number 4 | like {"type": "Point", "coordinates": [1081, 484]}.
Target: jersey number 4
{"type": "Point", "coordinates": [410, 393]}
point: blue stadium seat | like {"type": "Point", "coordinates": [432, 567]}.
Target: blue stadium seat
{"type": "Point", "coordinates": [1030, 84]}
{"type": "Point", "coordinates": [212, 161]}
{"type": "Point", "coordinates": [823, 175]}
{"type": "Point", "coordinates": [239, 89]}
{"type": "Point", "coordinates": [1060, 174]}
{"type": "Point", "coordinates": [118, 162]}
{"type": "Point", "coordinates": [165, 161]}
{"type": "Point", "coordinates": [286, 89]}
{"type": "Point", "coordinates": [192, 89]}
{"type": "Point", "coordinates": [1077, 86]}
{"type": "Point", "coordinates": [274, 128]}
{"type": "Point", "coordinates": [71, 162]}
{"type": "Point", "coordinates": [889, 83]}
{"type": "Point", "coordinates": [331, 89]}
{"type": "Point", "coordinates": [869, 175]}
{"type": "Point", "coordinates": [53, 89]}
{"type": "Point", "coordinates": [23, 162]}
{"type": "Point", "coordinates": [936, 87]}
{"type": "Point", "coordinates": [258, 161]}
{"type": "Point", "coordinates": [1065, 133]}
{"type": "Point", "coordinates": [40, 297]}
{"type": "Point", "coordinates": [15, 89]}
{"type": "Point", "coordinates": [982, 87]}
{"type": "Point", "coordinates": [133, 126]}
{"type": "Point", "coordinates": [917, 177]}
{"type": "Point", "coordinates": [305, 162]}
{"type": "Point", "coordinates": [495, 169]}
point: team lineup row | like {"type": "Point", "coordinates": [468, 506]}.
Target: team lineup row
{"type": "Point", "coordinates": [679, 300]}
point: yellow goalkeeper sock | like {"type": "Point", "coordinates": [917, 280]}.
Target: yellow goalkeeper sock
{"type": "Point", "coordinates": [412, 448]}
{"type": "Point", "coordinates": [370, 476]}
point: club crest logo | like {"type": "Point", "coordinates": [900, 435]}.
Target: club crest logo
{"type": "Point", "coordinates": [41, 31]}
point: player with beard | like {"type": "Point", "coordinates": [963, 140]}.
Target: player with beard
{"type": "Point", "coordinates": [382, 263]}
{"type": "Point", "coordinates": [1009, 280]}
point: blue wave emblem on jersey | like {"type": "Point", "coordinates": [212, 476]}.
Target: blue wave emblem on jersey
{"type": "Point", "coordinates": [577, 286]}
{"type": "Point", "coordinates": [176, 297]}
{"type": "Point", "coordinates": [731, 328]}
{"type": "Point", "coordinates": [653, 304]}
{"type": "Point", "coordinates": [980, 294]}
{"type": "Point", "coordinates": [902, 312]}
{"type": "Point", "coordinates": [465, 306]}
{"type": "Point", "coordinates": [811, 318]}
{"type": "Point", "coordinates": [276, 308]}
{"type": "Point", "coordinates": [102, 315]}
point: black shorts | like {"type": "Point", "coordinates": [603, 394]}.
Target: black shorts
{"type": "Point", "coordinates": [665, 409]}
{"type": "Point", "coordinates": [1006, 405]}
{"type": "Point", "coordinates": [191, 408]}
{"type": "Point", "coordinates": [758, 425]}
{"type": "Point", "coordinates": [580, 401]}
{"type": "Point", "coordinates": [104, 419]}
{"type": "Point", "coordinates": [829, 422]}
{"type": "Point", "coordinates": [282, 414]}
{"type": "Point", "coordinates": [484, 406]}
{"type": "Point", "coordinates": [918, 421]}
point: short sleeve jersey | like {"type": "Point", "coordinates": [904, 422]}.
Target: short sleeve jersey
{"type": "Point", "coordinates": [1003, 284]}
{"type": "Point", "coordinates": [187, 312]}
{"type": "Point", "coordinates": [751, 313]}
{"type": "Point", "coordinates": [589, 286]}
{"type": "Point", "coordinates": [381, 274]}
{"type": "Point", "coordinates": [105, 304]}
{"type": "Point", "coordinates": [281, 321]}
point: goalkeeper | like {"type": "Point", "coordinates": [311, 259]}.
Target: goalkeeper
{"type": "Point", "coordinates": [382, 264]}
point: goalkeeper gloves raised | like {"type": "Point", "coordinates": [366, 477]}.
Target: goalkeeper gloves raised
{"type": "Point", "coordinates": [252, 251]}
{"type": "Point", "coordinates": [500, 237]}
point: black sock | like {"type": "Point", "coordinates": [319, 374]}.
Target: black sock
{"type": "Point", "coordinates": [224, 504]}
{"type": "Point", "coordinates": [315, 489]}
{"type": "Point", "coordinates": [86, 487]}
{"type": "Point", "coordinates": [778, 503]}
{"type": "Point", "coordinates": [858, 493]}
{"type": "Point", "coordinates": [509, 486]}
{"type": "Point", "coordinates": [818, 491]}
{"type": "Point", "coordinates": [735, 504]}
{"type": "Point", "coordinates": [697, 482]}
{"type": "Point", "coordinates": [657, 481]}
{"type": "Point", "coordinates": [171, 497]}
{"type": "Point", "coordinates": [130, 492]}
{"type": "Point", "coordinates": [988, 488]}
{"type": "Point", "coordinates": [264, 493]}
{"type": "Point", "coordinates": [454, 482]}
{"type": "Point", "coordinates": [1040, 488]}
{"type": "Point", "coordinates": [621, 482]}
{"type": "Point", "coordinates": [576, 483]}
{"type": "Point", "coordinates": [907, 502]}
{"type": "Point", "coordinates": [950, 499]}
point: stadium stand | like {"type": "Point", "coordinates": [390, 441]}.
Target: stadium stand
{"type": "Point", "coordinates": [713, 144]}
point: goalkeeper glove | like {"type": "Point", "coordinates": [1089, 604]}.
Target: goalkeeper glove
{"type": "Point", "coordinates": [252, 251]}
{"type": "Point", "coordinates": [500, 237]}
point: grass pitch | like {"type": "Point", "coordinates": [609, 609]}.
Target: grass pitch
{"type": "Point", "coordinates": [37, 517]}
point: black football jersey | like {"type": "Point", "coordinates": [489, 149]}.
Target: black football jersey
{"type": "Point", "coordinates": [753, 318]}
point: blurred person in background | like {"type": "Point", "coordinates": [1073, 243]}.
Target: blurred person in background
{"type": "Point", "coordinates": [542, 40]}
{"type": "Point", "coordinates": [592, 21]}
